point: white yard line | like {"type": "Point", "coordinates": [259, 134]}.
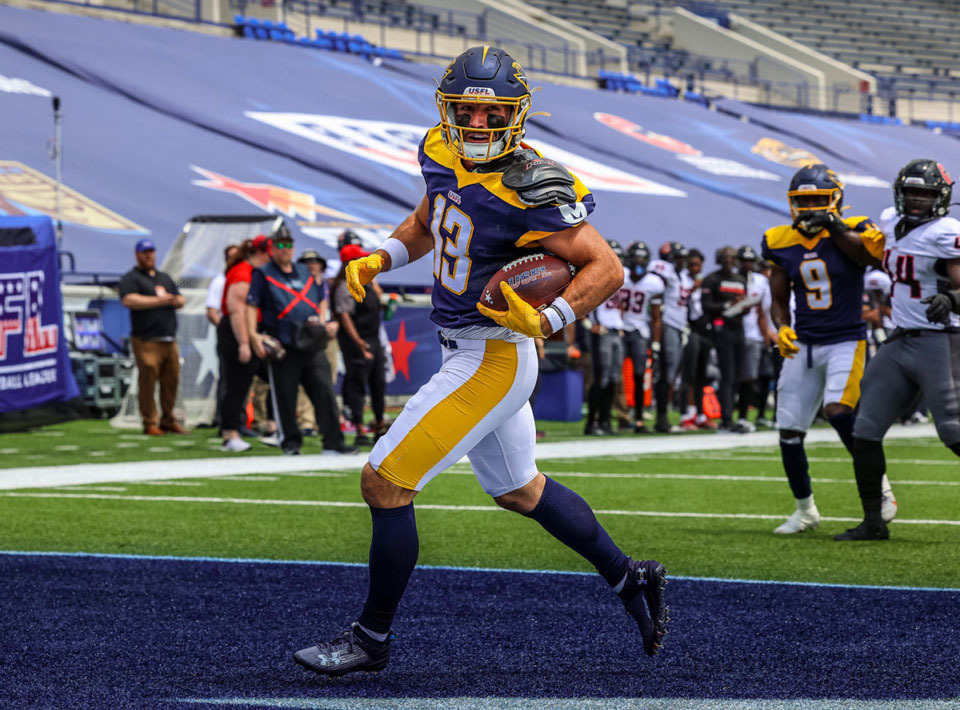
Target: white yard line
{"type": "Point", "coordinates": [690, 444]}
{"type": "Point", "coordinates": [427, 506]}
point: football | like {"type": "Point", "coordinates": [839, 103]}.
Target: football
{"type": "Point", "coordinates": [537, 278]}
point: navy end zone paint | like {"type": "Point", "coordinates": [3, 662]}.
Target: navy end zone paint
{"type": "Point", "coordinates": [90, 632]}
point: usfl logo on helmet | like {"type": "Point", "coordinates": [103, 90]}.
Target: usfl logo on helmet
{"type": "Point", "coordinates": [483, 75]}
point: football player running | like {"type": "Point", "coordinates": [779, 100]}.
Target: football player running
{"type": "Point", "coordinates": [922, 354]}
{"type": "Point", "coordinates": [678, 285]}
{"type": "Point", "coordinates": [820, 257]}
{"type": "Point", "coordinates": [488, 197]}
{"type": "Point", "coordinates": [641, 320]}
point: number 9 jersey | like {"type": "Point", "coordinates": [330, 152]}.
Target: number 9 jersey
{"type": "Point", "coordinates": [479, 224]}
{"type": "Point", "coordinates": [828, 287]}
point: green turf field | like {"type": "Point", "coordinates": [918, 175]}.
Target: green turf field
{"type": "Point", "coordinates": [695, 511]}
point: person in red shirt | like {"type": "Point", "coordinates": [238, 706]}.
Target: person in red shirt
{"type": "Point", "coordinates": [233, 341]}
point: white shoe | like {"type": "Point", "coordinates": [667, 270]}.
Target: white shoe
{"type": "Point", "coordinates": [888, 507]}
{"type": "Point", "coordinates": [270, 439]}
{"type": "Point", "coordinates": [800, 521]}
{"type": "Point", "coordinates": [235, 445]}
{"type": "Point", "coordinates": [746, 426]}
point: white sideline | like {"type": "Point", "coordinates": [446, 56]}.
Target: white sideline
{"type": "Point", "coordinates": [80, 474]}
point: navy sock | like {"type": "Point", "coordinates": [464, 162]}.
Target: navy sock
{"type": "Point", "coordinates": [394, 548]}
{"type": "Point", "coordinates": [843, 423]}
{"type": "Point", "coordinates": [955, 448]}
{"type": "Point", "coordinates": [869, 465]}
{"type": "Point", "coordinates": [795, 466]}
{"type": "Point", "coordinates": [569, 518]}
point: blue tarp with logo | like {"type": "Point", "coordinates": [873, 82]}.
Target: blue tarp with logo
{"type": "Point", "coordinates": [34, 362]}
{"type": "Point", "coordinates": [161, 124]}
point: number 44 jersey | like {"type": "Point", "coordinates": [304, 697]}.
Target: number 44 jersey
{"type": "Point", "coordinates": [915, 266]}
{"type": "Point", "coordinates": [828, 287]}
{"type": "Point", "coordinates": [479, 224]}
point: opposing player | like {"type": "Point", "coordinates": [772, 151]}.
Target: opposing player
{"type": "Point", "coordinates": [757, 333]}
{"type": "Point", "coordinates": [488, 197]}
{"type": "Point", "coordinates": [821, 258]}
{"type": "Point", "coordinates": [641, 320]}
{"type": "Point", "coordinates": [677, 288]}
{"type": "Point", "coordinates": [606, 345]}
{"type": "Point", "coordinates": [922, 257]}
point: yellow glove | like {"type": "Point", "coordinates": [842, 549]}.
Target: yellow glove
{"type": "Point", "coordinates": [519, 316]}
{"type": "Point", "coordinates": [360, 272]}
{"type": "Point", "coordinates": [785, 337]}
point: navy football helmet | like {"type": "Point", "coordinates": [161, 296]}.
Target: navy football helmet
{"type": "Point", "coordinates": [483, 75]}
{"type": "Point", "coordinates": [638, 255]}
{"type": "Point", "coordinates": [922, 191]}
{"type": "Point", "coordinates": [814, 188]}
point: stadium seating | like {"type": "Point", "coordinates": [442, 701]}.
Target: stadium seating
{"type": "Point", "coordinates": [252, 28]}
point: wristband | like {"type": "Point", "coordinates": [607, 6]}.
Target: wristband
{"type": "Point", "coordinates": [567, 316]}
{"type": "Point", "coordinates": [399, 256]}
{"type": "Point", "coordinates": [554, 318]}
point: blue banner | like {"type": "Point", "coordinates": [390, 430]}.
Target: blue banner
{"type": "Point", "coordinates": [34, 363]}
{"type": "Point", "coordinates": [415, 347]}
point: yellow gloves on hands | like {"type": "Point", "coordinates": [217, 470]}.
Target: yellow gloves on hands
{"type": "Point", "coordinates": [360, 272]}
{"type": "Point", "coordinates": [519, 316]}
{"type": "Point", "coordinates": [785, 341]}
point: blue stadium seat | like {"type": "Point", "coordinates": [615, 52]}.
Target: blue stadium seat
{"type": "Point", "coordinates": [322, 43]}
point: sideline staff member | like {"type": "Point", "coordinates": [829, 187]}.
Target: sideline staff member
{"type": "Point", "coordinates": [289, 301]}
{"type": "Point", "coordinates": [153, 300]}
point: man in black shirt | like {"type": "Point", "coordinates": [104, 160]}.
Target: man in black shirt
{"type": "Point", "coordinates": [153, 300]}
{"type": "Point", "coordinates": [722, 297]}
{"type": "Point", "coordinates": [288, 298]}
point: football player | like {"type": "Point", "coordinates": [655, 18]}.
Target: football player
{"type": "Point", "coordinates": [606, 346]}
{"type": "Point", "coordinates": [696, 353]}
{"type": "Point", "coordinates": [488, 199]}
{"type": "Point", "coordinates": [641, 320]}
{"type": "Point", "coordinates": [922, 354]}
{"type": "Point", "coordinates": [821, 259]}
{"type": "Point", "coordinates": [757, 333]}
{"type": "Point", "coordinates": [677, 288]}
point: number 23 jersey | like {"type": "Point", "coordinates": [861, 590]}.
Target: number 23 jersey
{"type": "Point", "coordinates": [478, 225]}
{"type": "Point", "coordinates": [828, 287]}
{"type": "Point", "coordinates": [914, 264]}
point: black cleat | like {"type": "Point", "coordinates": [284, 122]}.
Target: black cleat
{"type": "Point", "coordinates": [643, 596]}
{"type": "Point", "coordinates": [865, 531]}
{"type": "Point", "coordinates": [351, 651]}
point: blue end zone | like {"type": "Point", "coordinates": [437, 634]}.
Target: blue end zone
{"type": "Point", "coordinates": [92, 632]}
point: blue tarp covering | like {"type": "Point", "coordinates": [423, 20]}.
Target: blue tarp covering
{"type": "Point", "coordinates": [34, 362]}
{"type": "Point", "coordinates": [161, 124]}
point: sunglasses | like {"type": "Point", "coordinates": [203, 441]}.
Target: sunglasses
{"type": "Point", "coordinates": [283, 245]}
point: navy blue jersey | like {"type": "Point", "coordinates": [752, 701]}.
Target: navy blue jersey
{"type": "Point", "coordinates": [478, 225]}
{"type": "Point", "coordinates": [827, 286]}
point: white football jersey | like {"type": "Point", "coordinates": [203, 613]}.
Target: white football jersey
{"type": "Point", "coordinates": [637, 297]}
{"type": "Point", "coordinates": [758, 288]}
{"type": "Point", "coordinates": [911, 264]}
{"type": "Point", "coordinates": [676, 293]}
{"type": "Point", "coordinates": [610, 313]}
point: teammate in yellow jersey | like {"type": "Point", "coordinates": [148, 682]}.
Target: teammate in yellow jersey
{"type": "Point", "coordinates": [489, 198]}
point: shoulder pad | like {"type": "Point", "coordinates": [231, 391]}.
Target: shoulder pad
{"type": "Point", "coordinates": [540, 181]}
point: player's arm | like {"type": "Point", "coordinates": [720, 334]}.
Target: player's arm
{"type": "Point", "coordinates": [599, 272]}
{"type": "Point", "coordinates": [852, 242]}
{"type": "Point", "coordinates": [409, 241]}
{"type": "Point", "coordinates": [780, 312]}
{"type": "Point", "coordinates": [940, 306]}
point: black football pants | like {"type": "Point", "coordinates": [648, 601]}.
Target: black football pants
{"type": "Point", "coordinates": [361, 374]}
{"type": "Point", "coordinates": [729, 344]}
{"type": "Point", "coordinates": [312, 370]}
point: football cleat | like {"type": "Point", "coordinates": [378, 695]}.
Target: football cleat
{"type": "Point", "coordinates": [888, 507]}
{"type": "Point", "coordinates": [800, 521]}
{"type": "Point", "coordinates": [865, 531]}
{"type": "Point", "coordinates": [642, 596]}
{"type": "Point", "coordinates": [351, 651]}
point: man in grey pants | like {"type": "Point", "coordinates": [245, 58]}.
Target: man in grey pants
{"type": "Point", "coordinates": [922, 257]}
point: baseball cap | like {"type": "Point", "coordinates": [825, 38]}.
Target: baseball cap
{"type": "Point", "coordinates": [145, 245]}
{"type": "Point", "coordinates": [351, 252]}
{"type": "Point", "coordinates": [261, 243]}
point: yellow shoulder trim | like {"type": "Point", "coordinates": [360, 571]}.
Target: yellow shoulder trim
{"type": "Point", "coordinates": [528, 238]}
{"type": "Point", "coordinates": [785, 236]}
{"type": "Point", "coordinates": [869, 234]}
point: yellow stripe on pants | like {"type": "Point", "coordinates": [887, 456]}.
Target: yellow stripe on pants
{"type": "Point", "coordinates": [453, 417]}
{"type": "Point", "coordinates": [851, 391]}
